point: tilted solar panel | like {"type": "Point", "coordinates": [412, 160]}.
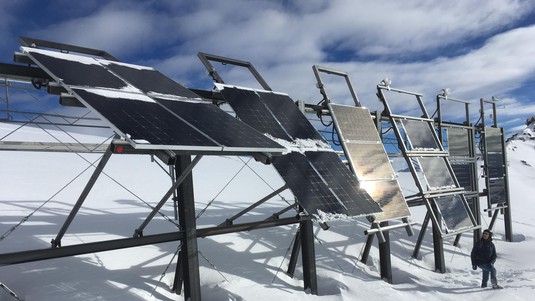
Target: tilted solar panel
{"type": "Point", "coordinates": [458, 144]}
{"type": "Point", "coordinates": [318, 178]}
{"type": "Point", "coordinates": [454, 213]}
{"type": "Point", "coordinates": [149, 109]}
{"type": "Point", "coordinates": [420, 134]}
{"type": "Point", "coordinates": [436, 173]}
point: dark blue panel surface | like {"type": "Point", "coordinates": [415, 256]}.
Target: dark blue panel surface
{"type": "Point", "coordinates": [305, 183]}
{"type": "Point", "coordinates": [343, 183]}
{"type": "Point", "coordinates": [150, 80]}
{"type": "Point", "coordinates": [251, 110]}
{"type": "Point", "coordinates": [144, 120]}
{"type": "Point", "coordinates": [79, 74]}
{"type": "Point", "coordinates": [290, 117]}
{"type": "Point", "coordinates": [217, 124]}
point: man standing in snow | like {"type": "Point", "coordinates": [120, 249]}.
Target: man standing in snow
{"type": "Point", "coordinates": [483, 256]}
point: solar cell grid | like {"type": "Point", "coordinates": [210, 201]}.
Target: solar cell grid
{"type": "Point", "coordinates": [370, 161]}
{"type": "Point", "coordinates": [495, 165]}
{"type": "Point", "coordinates": [144, 120]}
{"type": "Point", "coordinates": [463, 173]}
{"type": "Point", "coordinates": [420, 135]}
{"type": "Point", "coordinates": [436, 173]}
{"type": "Point", "coordinates": [289, 116]}
{"type": "Point", "coordinates": [213, 122]}
{"type": "Point", "coordinates": [389, 197]}
{"type": "Point", "coordinates": [458, 144]}
{"type": "Point", "coordinates": [454, 213]}
{"type": "Point", "coordinates": [251, 110]}
{"type": "Point", "coordinates": [497, 191]}
{"type": "Point", "coordinates": [493, 139]}
{"type": "Point", "coordinates": [354, 123]}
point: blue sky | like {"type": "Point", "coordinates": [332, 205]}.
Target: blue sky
{"type": "Point", "coordinates": [477, 49]}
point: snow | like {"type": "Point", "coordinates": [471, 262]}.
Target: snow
{"type": "Point", "coordinates": [61, 55]}
{"type": "Point", "coordinates": [129, 92]}
{"type": "Point", "coordinates": [239, 266]}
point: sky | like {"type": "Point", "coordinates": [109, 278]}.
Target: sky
{"type": "Point", "coordinates": [477, 49]}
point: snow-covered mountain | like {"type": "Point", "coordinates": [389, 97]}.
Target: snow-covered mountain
{"type": "Point", "coordinates": [39, 190]}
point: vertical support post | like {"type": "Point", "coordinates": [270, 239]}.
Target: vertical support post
{"type": "Point", "coordinates": [367, 248]}
{"type": "Point", "coordinates": [438, 247]}
{"type": "Point", "coordinates": [507, 218]}
{"type": "Point", "coordinates": [309, 257]}
{"type": "Point", "coordinates": [384, 256]}
{"type": "Point", "coordinates": [100, 167]}
{"type": "Point", "coordinates": [189, 253]}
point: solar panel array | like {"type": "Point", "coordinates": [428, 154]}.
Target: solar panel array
{"type": "Point", "coordinates": [148, 109]}
{"type": "Point", "coordinates": [368, 160]}
{"type": "Point", "coordinates": [422, 148]}
{"type": "Point", "coordinates": [495, 165]}
{"type": "Point", "coordinates": [313, 172]}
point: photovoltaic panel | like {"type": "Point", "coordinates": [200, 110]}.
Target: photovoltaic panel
{"type": "Point", "coordinates": [420, 134]}
{"type": "Point", "coordinates": [463, 173]}
{"type": "Point", "coordinates": [290, 117]}
{"type": "Point", "coordinates": [389, 197]}
{"type": "Point", "coordinates": [319, 179]}
{"type": "Point", "coordinates": [436, 173]}
{"type": "Point", "coordinates": [454, 213]}
{"type": "Point", "coordinates": [144, 121]}
{"type": "Point", "coordinates": [343, 183]}
{"type": "Point", "coordinates": [458, 143]}
{"type": "Point", "coordinates": [495, 165]}
{"type": "Point", "coordinates": [212, 121]}
{"type": "Point", "coordinates": [497, 191]}
{"type": "Point", "coordinates": [355, 124]}
{"type": "Point", "coordinates": [493, 139]}
{"type": "Point", "coordinates": [76, 70]}
{"type": "Point", "coordinates": [148, 80]}
{"type": "Point", "coordinates": [179, 120]}
{"type": "Point", "coordinates": [252, 110]}
{"type": "Point", "coordinates": [369, 161]}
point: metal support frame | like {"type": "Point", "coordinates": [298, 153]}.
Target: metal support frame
{"type": "Point", "coordinates": [100, 167]}
{"type": "Point", "coordinates": [230, 220]}
{"type": "Point", "coordinates": [185, 173]}
{"type": "Point", "coordinates": [318, 69]}
{"type": "Point", "coordinates": [504, 208]}
{"type": "Point", "coordinates": [206, 58]}
{"type": "Point", "coordinates": [31, 42]}
{"type": "Point", "coordinates": [473, 195]}
{"type": "Point", "coordinates": [427, 196]}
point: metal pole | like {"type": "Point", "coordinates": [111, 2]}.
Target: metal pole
{"type": "Point", "coordinates": [385, 260]}
{"type": "Point", "coordinates": [309, 257]}
{"type": "Point", "coordinates": [295, 254]}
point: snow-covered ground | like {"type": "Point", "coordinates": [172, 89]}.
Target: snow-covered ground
{"type": "Point", "coordinates": [240, 266]}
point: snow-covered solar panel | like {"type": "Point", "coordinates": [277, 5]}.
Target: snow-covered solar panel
{"type": "Point", "coordinates": [311, 169]}
{"type": "Point", "coordinates": [148, 109]}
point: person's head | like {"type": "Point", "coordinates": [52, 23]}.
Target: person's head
{"type": "Point", "coordinates": [487, 234]}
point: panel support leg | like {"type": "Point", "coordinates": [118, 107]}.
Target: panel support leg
{"type": "Point", "coordinates": [438, 247]}
{"type": "Point", "coordinates": [384, 256]}
{"type": "Point", "coordinates": [420, 240]}
{"type": "Point", "coordinates": [295, 253]}
{"type": "Point", "coordinates": [189, 253]}
{"type": "Point", "coordinates": [100, 167]}
{"type": "Point", "coordinates": [309, 257]}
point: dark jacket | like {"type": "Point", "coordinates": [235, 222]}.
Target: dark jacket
{"type": "Point", "coordinates": [483, 252]}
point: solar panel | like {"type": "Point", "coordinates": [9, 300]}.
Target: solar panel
{"type": "Point", "coordinates": [212, 121]}
{"type": "Point", "coordinates": [290, 117]}
{"type": "Point", "coordinates": [454, 213]}
{"type": "Point", "coordinates": [463, 173]}
{"type": "Point", "coordinates": [75, 70]}
{"type": "Point", "coordinates": [148, 80]}
{"type": "Point", "coordinates": [389, 197]}
{"type": "Point", "coordinates": [354, 123]}
{"type": "Point", "coordinates": [144, 121]}
{"type": "Point", "coordinates": [493, 139]}
{"type": "Point", "coordinates": [319, 179]}
{"type": "Point", "coordinates": [420, 134]}
{"type": "Point", "coordinates": [368, 159]}
{"type": "Point", "coordinates": [436, 173]}
{"type": "Point", "coordinates": [458, 143]}
{"type": "Point", "coordinates": [497, 191]}
{"type": "Point", "coordinates": [178, 120]}
{"type": "Point", "coordinates": [343, 183]}
{"type": "Point", "coordinates": [251, 110]}
{"type": "Point", "coordinates": [495, 165]}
